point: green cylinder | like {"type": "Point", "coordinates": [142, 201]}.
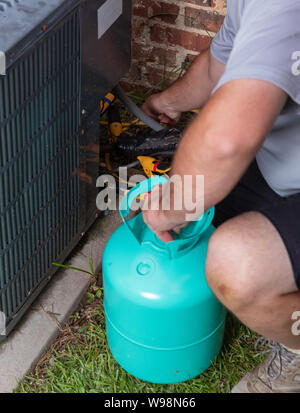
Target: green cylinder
{"type": "Point", "coordinates": [164, 324]}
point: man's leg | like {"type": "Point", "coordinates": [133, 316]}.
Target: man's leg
{"type": "Point", "coordinates": [249, 270]}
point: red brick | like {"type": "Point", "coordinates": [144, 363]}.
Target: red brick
{"type": "Point", "coordinates": [151, 37]}
{"type": "Point", "coordinates": [177, 37]}
{"type": "Point", "coordinates": [203, 19]}
{"type": "Point", "coordinates": [160, 78]}
{"type": "Point", "coordinates": [153, 54]}
{"type": "Point", "coordinates": [140, 8]}
{"type": "Point", "coordinates": [158, 34]}
{"type": "Point", "coordinates": [164, 56]}
{"type": "Point", "coordinates": [204, 3]}
{"type": "Point", "coordinates": [141, 52]}
{"type": "Point", "coordinates": [164, 11]}
{"type": "Point", "coordinates": [138, 28]}
{"type": "Point", "coordinates": [156, 9]}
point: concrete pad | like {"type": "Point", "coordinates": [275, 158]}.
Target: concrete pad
{"type": "Point", "coordinates": [40, 326]}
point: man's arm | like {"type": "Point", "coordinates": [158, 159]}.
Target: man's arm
{"type": "Point", "coordinates": [221, 143]}
{"type": "Point", "coordinates": [190, 92]}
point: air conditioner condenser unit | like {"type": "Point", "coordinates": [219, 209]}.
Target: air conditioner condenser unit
{"type": "Point", "coordinates": [58, 59]}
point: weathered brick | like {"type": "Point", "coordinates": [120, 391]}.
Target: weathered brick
{"type": "Point", "coordinates": [140, 8]}
{"type": "Point", "coordinates": [178, 37]}
{"type": "Point", "coordinates": [156, 26]}
{"type": "Point", "coordinates": [142, 52]}
{"type": "Point", "coordinates": [203, 3]}
{"type": "Point", "coordinates": [166, 12]}
{"type": "Point", "coordinates": [158, 34]}
{"type": "Point", "coordinates": [138, 28]}
{"type": "Point", "coordinates": [165, 56]}
{"type": "Point", "coordinates": [203, 19]}
{"type": "Point", "coordinates": [159, 77]}
{"type": "Point", "coordinates": [153, 54]}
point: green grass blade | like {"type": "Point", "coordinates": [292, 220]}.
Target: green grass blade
{"type": "Point", "coordinates": [71, 268]}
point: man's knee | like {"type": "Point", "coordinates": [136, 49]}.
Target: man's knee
{"type": "Point", "coordinates": [228, 267]}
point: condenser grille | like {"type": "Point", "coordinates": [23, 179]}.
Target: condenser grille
{"type": "Point", "coordinates": [39, 162]}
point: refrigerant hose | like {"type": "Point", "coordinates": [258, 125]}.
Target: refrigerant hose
{"type": "Point", "coordinates": [137, 111]}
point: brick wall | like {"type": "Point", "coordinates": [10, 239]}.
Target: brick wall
{"type": "Point", "coordinates": [167, 34]}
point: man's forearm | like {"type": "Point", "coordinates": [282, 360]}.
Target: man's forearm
{"type": "Point", "coordinates": [194, 88]}
{"type": "Point", "coordinates": [225, 137]}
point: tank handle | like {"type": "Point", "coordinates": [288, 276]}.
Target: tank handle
{"type": "Point", "coordinates": [182, 242]}
{"type": "Point", "coordinates": [141, 188]}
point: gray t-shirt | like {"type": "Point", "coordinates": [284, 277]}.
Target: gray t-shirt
{"type": "Point", "coordinates": [260, 39]}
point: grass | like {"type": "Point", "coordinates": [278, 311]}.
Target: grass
{"type": "Point", "coordinates": [80, 362]}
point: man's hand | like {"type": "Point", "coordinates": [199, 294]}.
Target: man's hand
{"type": "Point", "coordinates": [189, 92]}
{"type": "Point", "coordinates": [157, 109]}
{"type": "Point", "coordinates": [161, 222]}
{"type": "Point", "coordinates": [156, 220]}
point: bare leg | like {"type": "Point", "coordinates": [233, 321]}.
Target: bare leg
{"type": "Point", "coordinates": [249, 270]}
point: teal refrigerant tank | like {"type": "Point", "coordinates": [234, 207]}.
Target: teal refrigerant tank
{"type": "Point", "coordinates": [163, 322]}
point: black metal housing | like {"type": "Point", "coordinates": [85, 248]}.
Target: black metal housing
{"type": "Point", "coordinates": [57, 71]}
